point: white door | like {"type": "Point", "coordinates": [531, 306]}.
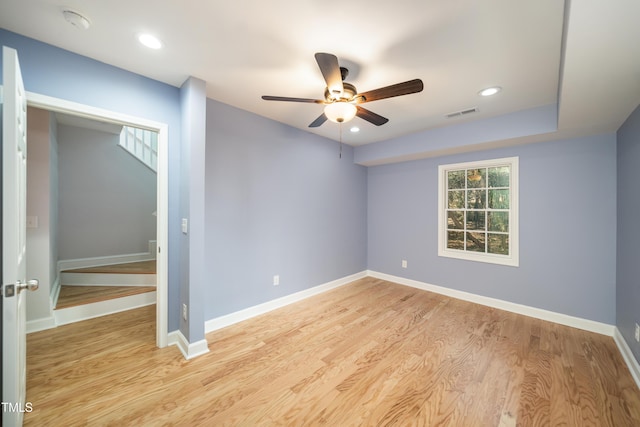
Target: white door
{"type": "Point", "coordinates": [14, 179]}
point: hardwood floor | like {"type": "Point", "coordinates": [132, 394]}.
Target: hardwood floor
{"type": "Point", "coordinates": [140, 267]}
{"type": "Point", "coordinates": [371, 353]}
{"type": "Point", "coordinates": [72, 296]}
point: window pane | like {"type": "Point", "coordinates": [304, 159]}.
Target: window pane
{"type": "Point", "coordinates": [498, 221]}
{"type": "Point", "coordinates": [475, 220]}
{"type": "Point", "coordinates": [478, 211]}
{"type": "Point", "coordinates": [476, 199]}
{"type": "Point", "coordinates": [499, 177]}
{"type": "Point", "coordinates": [498, 199]}
{"type": "Point", "coordinates": [476, 178]}
{"type": "Point", "coordinates": [498, 244]}
{"type": "Point", "coordinates": [455, 179]}
{"type": "Point", "coordinates": [456, 199]}
{"type": "Point", "coordinates": [455, 240]}
{"type": "Point", "coordinates": [475, 242]}
{"type": "Point", "coordinates": [455, 220]}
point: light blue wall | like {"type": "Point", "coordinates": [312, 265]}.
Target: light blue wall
{"type": "Point", "coordinates": [193, 103]}
{"type": "Point", "coordinates": [567, 228]}
{"type": "Point", "coordinates": [58, 73]}
{"type": "Point", "coordinates": [460, 137]}
{"type": "Point", "coordinates": [106, 196]}
{"type": "Point", "coordinates": [628, 267]}
{"type": "Point", "coordinates": [278, 201]}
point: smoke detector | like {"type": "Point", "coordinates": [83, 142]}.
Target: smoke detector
{"type": "Point", "coordinates": [76, 19]}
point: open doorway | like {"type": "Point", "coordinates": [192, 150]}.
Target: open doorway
{"type": "Point", "coordinates": [105, 197]}
{"type": "Point", "coordinates": [109, 118]}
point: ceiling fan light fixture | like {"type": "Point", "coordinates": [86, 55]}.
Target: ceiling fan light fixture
{"type": "Point", "coordinates": [340, 111]}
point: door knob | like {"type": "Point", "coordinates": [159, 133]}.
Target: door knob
{"type": "Point", "coordinates": [31, 285]}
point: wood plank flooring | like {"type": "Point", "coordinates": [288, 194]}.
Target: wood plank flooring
{"type": "Point", "coordinates": [72, 296]}
{"type": "Point", "coordinates": [140, 267]}
{"type": "Point", "coordinates": [371, 353]}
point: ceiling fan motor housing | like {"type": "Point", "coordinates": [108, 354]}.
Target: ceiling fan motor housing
{"type": "Point", "coordinates": [348, 92]}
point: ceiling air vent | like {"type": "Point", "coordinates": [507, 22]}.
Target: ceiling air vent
{"type": "Point", "coordinates": [463, 112]}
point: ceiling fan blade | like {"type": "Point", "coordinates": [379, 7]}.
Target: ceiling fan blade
{"type": "Point", "coordinates": [286, 98]}
{"type": "Point", "coordinates": [330, 69]}
{"type": "Point", "coordinates": [405, 88]}
{"type": "Point", "coordinates": [319, 121]}
{"type": "Point", "coordinates": [370, 116]}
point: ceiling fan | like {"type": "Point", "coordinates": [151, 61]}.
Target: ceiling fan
{"type": "Point", "coordinates": [341, 99]}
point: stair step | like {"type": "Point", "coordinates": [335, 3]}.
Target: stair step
{"type": "Point", "coordinates": [90, 292]}
{"type": "Point", "coordinates": [139, 273]}
{"type": "Point", "coordinates": [102, 308]}
{"type": "Point", "coordinates": [107, 279]}
{"type": "Point", "coordinates": [136, 267]}
{"type": "Point", "coordinates": [71, 296]}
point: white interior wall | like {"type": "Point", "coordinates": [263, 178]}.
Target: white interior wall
{"type": "Point", "coordinates": [41, 221]}
{"type": "Point", "coordinates": [53, 208]}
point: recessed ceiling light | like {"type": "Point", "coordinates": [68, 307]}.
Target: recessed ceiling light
{"type": "Point", "coordinates": [355, 129]}
{"type": "Point", "coordinates": [490, 91]}
{"type": "Point", "coordinates": [152, 42]}
{"type": "Point", "coordinates": [76, 19]}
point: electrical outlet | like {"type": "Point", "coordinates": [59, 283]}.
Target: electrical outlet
{"type": "Point", "coordinates": [404, 263]}
{"type": "Point", "coordinates": [184, 311]}
{"type": "Point", "coordinates": [637, 333]}
{"type": "Point", "coordinates": [276, 280]}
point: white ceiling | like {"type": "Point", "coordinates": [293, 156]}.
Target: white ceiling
{"type": "Point", "coordinates": [588, 61]}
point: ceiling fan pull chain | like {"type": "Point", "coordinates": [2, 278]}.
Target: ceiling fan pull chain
{"type": "Point", "coordinates": [340, 139]}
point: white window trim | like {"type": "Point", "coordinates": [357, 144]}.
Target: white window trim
{"type": "Point", "coordinates": [513, 259]}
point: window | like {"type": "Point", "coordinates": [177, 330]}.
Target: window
{"type": "Point", "coordinates": [478, 211]}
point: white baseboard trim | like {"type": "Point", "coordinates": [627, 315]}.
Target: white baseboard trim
{"type": "Point", "coordinates": [69, 264]}
{"type": "Point", "coordinates": [103, 308]}
{"type": "Point", "coordinates": [115, 279]}
{"type": "Point", "coordinates": [551, 316]}
{"type": "Point", "coordinates": [256, 310]}
{"type": "Point", "coordinates": [37, 325]}
{"type": "Point", "coordinates": [627, 355]}
{"type": "Point", "coordinates": [188, 350]}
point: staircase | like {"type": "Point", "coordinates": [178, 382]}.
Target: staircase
{"type": "Point", "coordinates": [85, 293]}
{"type": "Point", "coordinates": [141, 144]}
{"type": "Point", "coordinates": [91, 292]}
